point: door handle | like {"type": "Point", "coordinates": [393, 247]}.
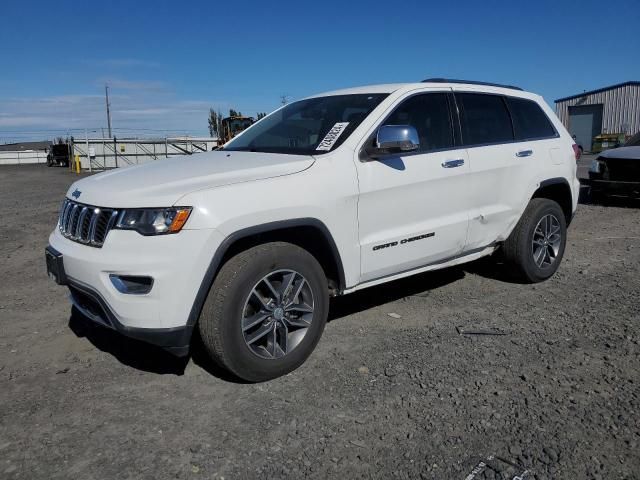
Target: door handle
{"type": "Point", "coordinates": [453, 163]}
{"type": "Point", "coordinates": [524, 153]}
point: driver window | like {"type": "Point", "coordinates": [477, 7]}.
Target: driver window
{"type": "Point", "coordinates": [429, 114]}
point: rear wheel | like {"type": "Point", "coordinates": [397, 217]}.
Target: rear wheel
{"type": "Point", "coordinates": [536, 246]}
{"type": "Point", "coordinates": [265, 311]}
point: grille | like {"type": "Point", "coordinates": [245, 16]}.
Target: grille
{"type": "Point", "coordinates": [624, 170]}
{"type": "Point", "coordinates": [86, 224]}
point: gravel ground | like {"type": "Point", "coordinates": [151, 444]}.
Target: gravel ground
{"type": "Point", "coordinates": [383, 396]}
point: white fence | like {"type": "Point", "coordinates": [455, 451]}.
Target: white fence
{"type": "Point", "coordinates": [24, 157]}
{"type": "Point", "coordinates": [101, 153]}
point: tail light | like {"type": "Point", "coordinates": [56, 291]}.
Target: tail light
{"type": "Point", "coordinates": [576, 151]}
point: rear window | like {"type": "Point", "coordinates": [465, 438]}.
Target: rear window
{"type": "Point", "coordinates": [529, 121]}
{"type": "Point", "coordinates": [485, 119]}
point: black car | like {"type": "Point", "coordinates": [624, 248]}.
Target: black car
{"type": "Point", "coordinates": [59, 154]}
{"type": "Point", "coordinates": [616, 171]}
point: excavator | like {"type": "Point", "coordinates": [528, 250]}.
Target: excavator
{"type": "Point", "coordinates": [231, 126]}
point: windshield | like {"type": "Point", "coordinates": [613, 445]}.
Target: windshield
{"type": "Point", "coordinates": [239, 124]}
{"type": "Point", "coordinates": [312, 126]}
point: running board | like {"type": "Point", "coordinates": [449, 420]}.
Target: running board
{"type": "Point", "coordinates": [468, 257]}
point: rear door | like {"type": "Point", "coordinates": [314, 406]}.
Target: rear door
{"type": "Point", "coordinates": [412, 209]}
{"type": "Point", "coordinates": [505, 138]}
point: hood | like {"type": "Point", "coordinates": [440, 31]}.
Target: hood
{"type": "Point", "coordinates": [629, 153]}
{"type": "Point", "coordinates": [162, 182]}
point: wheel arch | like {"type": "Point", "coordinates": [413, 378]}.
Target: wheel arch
{"type": "Point", "coordinates": [558, 190]}
{"type": "Point", "coordinates": [297, 231]}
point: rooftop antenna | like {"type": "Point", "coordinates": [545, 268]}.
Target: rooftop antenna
{"type": "Point", "coordinates": [106, 94]}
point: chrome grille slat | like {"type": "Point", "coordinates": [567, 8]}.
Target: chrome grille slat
{"type": "Point", "coordinates": [67, 216]}
{"type": "Point", "coordinates": [64, 209]}
{"type": "Point", "coordinates": [81, 216]}
{"type": "Point", "coordinates": [92, 226]}
{"type": "Point", "coordinates": [72, 220]}
{"type": "Point", "coordinates": [64, 214]}
{"type": "Point", "coordinates": [86, 224]}
{"type": "Point", "coordinates": [112, 220]}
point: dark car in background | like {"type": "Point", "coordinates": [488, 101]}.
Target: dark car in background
{"type": "Point", "coordinates": [59, 154]}
{"type": "Point", "coordinates": [616, 171]}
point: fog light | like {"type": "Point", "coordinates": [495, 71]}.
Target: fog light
{"type": "Point", "coordinates": [131, 284]}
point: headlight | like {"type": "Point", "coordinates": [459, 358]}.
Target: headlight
{"type": "Point", "coordinates": [153, 221]}
{"type": "Point", "coordinates": [596, 166]}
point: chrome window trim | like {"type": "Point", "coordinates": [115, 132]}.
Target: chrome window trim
{"type": "Point", "coordinates": [505, 99]}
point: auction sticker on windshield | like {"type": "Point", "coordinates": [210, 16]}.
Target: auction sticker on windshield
{"type": "Point", "coordinates": [332, 136]}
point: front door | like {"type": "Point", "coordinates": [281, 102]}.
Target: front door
{"type": "Point", "coordinates": [412, 210]}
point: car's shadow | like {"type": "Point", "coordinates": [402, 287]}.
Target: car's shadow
{"type": "Point", "coordinates": [416, 285]}
{"type": "Point", "coordinates": [494, 268]}
{"type": "Point", "coordinates": [128, 351]}
{"type": "Point", "coordinates": [144, 356]}
{"type": "Point", "coordinates": [150, 358]}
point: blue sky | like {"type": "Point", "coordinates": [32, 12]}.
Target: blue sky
{"type": "Point", "coordinates": [168, 62]}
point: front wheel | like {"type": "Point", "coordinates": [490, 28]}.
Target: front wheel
{"type": "Point", "coordinates": [536, 245]}
{"type": "Point", "coordinates": [266, 311]}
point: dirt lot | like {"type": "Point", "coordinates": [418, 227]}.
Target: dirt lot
{"type": "Point", "coordinates": [381, 397]}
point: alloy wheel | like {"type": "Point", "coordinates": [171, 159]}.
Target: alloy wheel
{"type": "Point", "coordinates": [277, 314]}
{"type": "Point", "coordinates": [546, 242]}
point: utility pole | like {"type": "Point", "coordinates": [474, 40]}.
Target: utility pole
{"type": "Point", "coordinates": [106, 93]}
{"type": "Point", "coordinates": [283, 99]}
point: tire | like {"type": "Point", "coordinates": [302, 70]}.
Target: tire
{"type": "Point", "coordinates": [228, 319]}
{"type": "Point", "coordinates": [528, 241]}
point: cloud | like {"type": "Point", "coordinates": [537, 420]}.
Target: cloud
{"type": "Point", "coordinates": [21, 121]}
{"type": "Point", "coordinates": [138, 108]}
{"type": "Point", "coordinates": [133, 112]}
{"type": "Point", "coordinates": [143, 112]}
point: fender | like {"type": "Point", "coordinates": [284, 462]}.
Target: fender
{"type": "Point", "coordinates": [554, 181]}
{"type": "Point", "coordinates": [570, 212]}
{"type": "Point", "coordinates": [214, 265]}
{"type": "Point", "coordinates": [531, 192]}
{"type": "Point", "coordinates": [534, 187]}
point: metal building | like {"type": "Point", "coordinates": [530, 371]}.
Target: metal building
{"type": "Point", "coordinates": [614, 109]}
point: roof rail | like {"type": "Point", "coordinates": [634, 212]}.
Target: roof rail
{"type": "Point", "coordinates": [469, 82]}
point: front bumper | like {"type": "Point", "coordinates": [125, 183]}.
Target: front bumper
{"type": "Point", "coordinates": [89, 302]}
{"type": "Point", "coordinates": [613, 186]}
{"type": "Point", "coordinates": [177, 263]}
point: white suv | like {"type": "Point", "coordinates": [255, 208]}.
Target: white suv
{"type": "Point", "coordinates": [325, 196]}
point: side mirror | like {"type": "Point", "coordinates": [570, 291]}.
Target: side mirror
{"type": "Point", "coordinates": [394, 139]}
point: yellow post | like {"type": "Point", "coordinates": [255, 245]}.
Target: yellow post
{"type": "Point", "coordinates": [77, 163]}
